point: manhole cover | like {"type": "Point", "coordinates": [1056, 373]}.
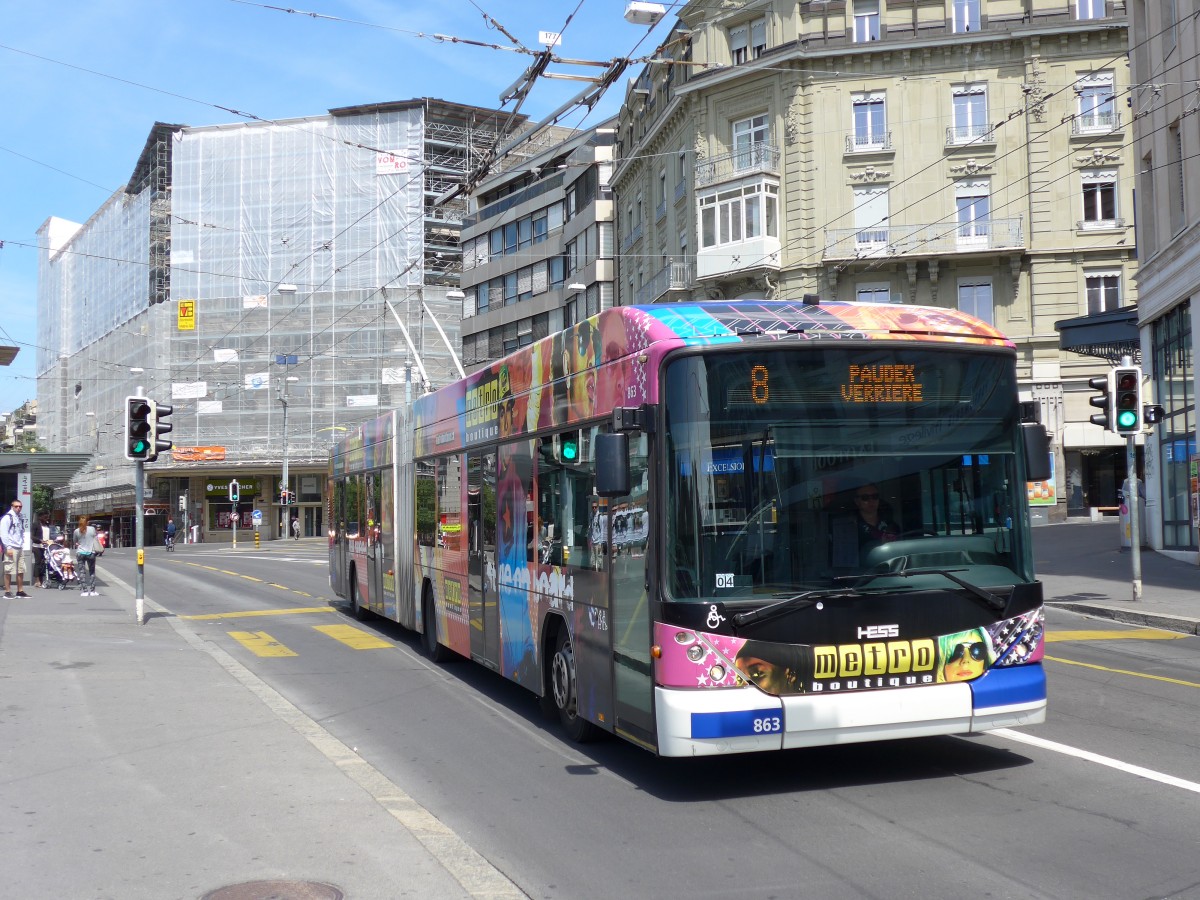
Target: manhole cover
{"type": "Point", "coordinates": [276, 890]}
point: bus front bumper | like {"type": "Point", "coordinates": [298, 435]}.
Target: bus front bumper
{"type": "Point", "coordinates": [697, 722]}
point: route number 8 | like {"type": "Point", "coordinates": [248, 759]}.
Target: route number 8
{"type": "Point", "coordinates": [760, 391]}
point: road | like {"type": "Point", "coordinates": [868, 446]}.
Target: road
{"type": "Point", "coordinates": [1100, 801]}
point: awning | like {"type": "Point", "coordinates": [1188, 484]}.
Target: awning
{"type": "Point", "coordinates": [51, 469]}
{"type": "Point", "coordinates": [1107, 335]}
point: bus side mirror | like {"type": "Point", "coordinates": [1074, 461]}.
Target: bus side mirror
{"type": "Point", "coordinates": [1037, 451]}
{"type": "Point", "coordinates": [612, 465]}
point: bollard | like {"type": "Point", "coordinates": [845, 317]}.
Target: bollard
{"type": "Point", "coordinates": [255, 538]}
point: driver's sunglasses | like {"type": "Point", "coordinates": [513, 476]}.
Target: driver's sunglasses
{"type": "Point", "coordinates": [977, 651]}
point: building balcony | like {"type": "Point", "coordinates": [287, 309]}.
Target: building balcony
{"type": "Point", "coordinates": [962, 135]}
{"type": "Point", "coordinates": [870, 142]}
{"type": "Point", "coordinates": [1096, 123]}
{"type": "Point", "coordinates": [755, 159]}
{"type": "Point", "coordinates": [937, 239]}
{"type": "Point", "coordinates": [676, 276]}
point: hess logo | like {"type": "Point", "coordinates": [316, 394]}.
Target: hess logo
{"type": "Point", "coordinates": [878, 631]}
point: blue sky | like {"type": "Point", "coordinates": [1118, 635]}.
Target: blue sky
{"type": "Point", "coordinates": [86, 79]}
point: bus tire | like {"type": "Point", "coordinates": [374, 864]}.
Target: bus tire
{"type": "Point", "coordinates": [434, 651]}
{"type": "Point", "coordinates": [563, 690]}
{"type": "Point", "coordinates": [356, 609]}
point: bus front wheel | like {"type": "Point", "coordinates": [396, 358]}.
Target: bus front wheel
{"type": "Point", "coordinates": [356, 609]}
{"type": "Point", "coordinates": [564, 690]}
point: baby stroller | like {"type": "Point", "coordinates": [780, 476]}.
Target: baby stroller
{"type": "Point", "coordinates": [60, 568]}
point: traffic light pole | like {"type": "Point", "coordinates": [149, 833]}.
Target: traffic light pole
{"type": "Point", "coordinates": [1132, 497]}
{"type": "Point", "coordinates": [139, 582]}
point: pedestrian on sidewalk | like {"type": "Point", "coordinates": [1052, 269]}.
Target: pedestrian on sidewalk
{"type": "Point", "coordinates": [12, 538]}
{"type": "Point", "coordinates": [87, 548]}
{"type": "Point", "coordinates": [296, 528]}
{"type": "Point", "coordinates": [39, 536]}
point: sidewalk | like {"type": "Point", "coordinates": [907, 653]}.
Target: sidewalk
{"type": "Point", "coordinates": [144, 762]}
{"type": "Point", "coordinates": [1083, 568]}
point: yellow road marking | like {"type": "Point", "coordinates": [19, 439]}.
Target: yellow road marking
{"type": "Point", "coordinates": [1071, 662]}
{"type": "Point", "coordinates": [354, 638]}
{"type": "Point", "coordinates": [227, 572]}
{"type": "Point", "coordinates": [261, 612]}
{"type": "Point", "coordinates": [260, 643]}
{"type": "Point", "coordinates": [251, 578]}
{"type": "Point", "coordinates": [282, 587]}
{"type": "Point", "coordinates": [1136, 634]}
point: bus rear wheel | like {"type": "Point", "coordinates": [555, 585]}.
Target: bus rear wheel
{"type": "Point", "coordinates": [429, 642]}
{"type": "Point", "coordinates": [564, 690]}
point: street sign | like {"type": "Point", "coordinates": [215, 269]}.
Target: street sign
{"type": "Point", "coordinates": [289, 360]}
{"type": "Point", "coordinates": [257, 516]}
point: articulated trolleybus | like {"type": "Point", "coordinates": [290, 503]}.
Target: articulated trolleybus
{"type": "Point", "coordinates": [720, 527]}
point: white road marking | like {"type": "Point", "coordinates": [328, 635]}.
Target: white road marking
{"type": "Point", "coordinates": [1129, 768]}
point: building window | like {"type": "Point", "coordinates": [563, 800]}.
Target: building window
{"type": "Point", "coordinates": [973, 207]}
{"type": "Point", "coordinates": [871, 215]}
{"type": "Point", "coordinates": [510, 237]}
{"type": "Point", "coordinates": [975, 298]}
{"type": "Point", "coordinates": [969, 112]}
{"type": "Point", "coordinates": [758, 38]}
{"type": "Point", "coordinates": [751, 140]}
{"type": "Point", "coordinates": [866, 21]}
{"type": "Point", "coordinates": [870, 120]}
{"type": "Point", "coordinates": [1097, 108]}
{"type": "Point", "coordinates": [1089, 9]}
{"type": "Point", "coordinates": [1099, 198]}
{"type": "Point", "coordinates": [739, 214]}
{"type": "Point", "coordinates": [966, 16]}
{"type": "Point", "coordinates": [540, 227]}
{"type": "Point", "coordinates": [468, 302]}
{"type": "Point", "coordinates": [876, 292]}
{"type": "Point", "coordinates": [739, 44]}
{"type": "Point", "coordinates": [1173, 369]}
{"type": "Point", "coordinates": [1103, 291]}
{"type": "Point", "coordinates": [1175, 179]}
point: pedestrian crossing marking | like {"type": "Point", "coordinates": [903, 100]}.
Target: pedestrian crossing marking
{"type": "Point", "coordinates": [352, 637]}
{"type": "Point", "coordinates": [261, 644]}
{"type": "Point", "coordinates": [261, 612]}
{"type": "Point", "coordinates": [1135, 634]}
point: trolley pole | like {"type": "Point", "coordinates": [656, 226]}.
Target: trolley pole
{"type": "Point", "coordinates": [139, 582]}
{"type": "Point", "coordinates": [1133, 498]}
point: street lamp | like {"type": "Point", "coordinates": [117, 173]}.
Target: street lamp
{"type": "Point", "coordinates": [283, 398]}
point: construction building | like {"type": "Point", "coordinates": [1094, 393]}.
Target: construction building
{"type": "Point", "coordinates": [251, 275]}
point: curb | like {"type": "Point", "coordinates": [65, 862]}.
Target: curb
{"type": "Point", "coordinates": [1182, 624]}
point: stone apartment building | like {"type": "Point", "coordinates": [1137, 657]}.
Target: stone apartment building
{"type": "Point", "coordinates": [960, 153]}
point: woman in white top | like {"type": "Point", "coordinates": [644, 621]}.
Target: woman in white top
{"type": "Point", "coordinates": [87, 548]}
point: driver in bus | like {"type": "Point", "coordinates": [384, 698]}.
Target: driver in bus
{"type": "Point", "coordinates": [873, 529]}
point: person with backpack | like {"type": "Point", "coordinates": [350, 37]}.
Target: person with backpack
{"type": "Point", "coordinates": [12, 538]}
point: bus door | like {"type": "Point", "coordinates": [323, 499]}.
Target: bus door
{"type": "Point", "coordinates": [633, 682]}
{"type": "Point", "coordinates": [372, 531]}
{"type": "Point", "coordinates": [481, 558]}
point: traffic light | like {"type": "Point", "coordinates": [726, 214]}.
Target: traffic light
{"type": "Point", "coordinates": [285, 497]}
{"type": "Point", "coordinates": [139, 413]}
{"type": "Point", "coordinates": [234, 491]}
{"type": "Point", "coordinates": [158, 427]}
{"type": "Point", "coordinates": [1127, 400]}
{"type": "Point", "coordinates": [1152, 413]}
{"type": "Point", "coordinates": [1103, 384]}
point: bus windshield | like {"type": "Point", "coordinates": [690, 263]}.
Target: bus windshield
{"type": "Point", "coordinates": [791, 469]}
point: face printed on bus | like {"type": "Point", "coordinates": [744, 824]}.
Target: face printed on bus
{"type": "Point", "coordinates": [966, 660]}
{"type": "Point", "coordinates": [581, 357]}
{"type": "Point", "coordinates": [771, 678]}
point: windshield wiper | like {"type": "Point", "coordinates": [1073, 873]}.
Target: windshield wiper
{"type": "Point", "coordinates": [796, 601]}
{"type": "Point", "coordinates": [992, 601]}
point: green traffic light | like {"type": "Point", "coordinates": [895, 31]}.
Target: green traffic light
{"type": "Point", "coordinates": [569, 450]}
{"type": "Point", "coordinates": [1127, 418]}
